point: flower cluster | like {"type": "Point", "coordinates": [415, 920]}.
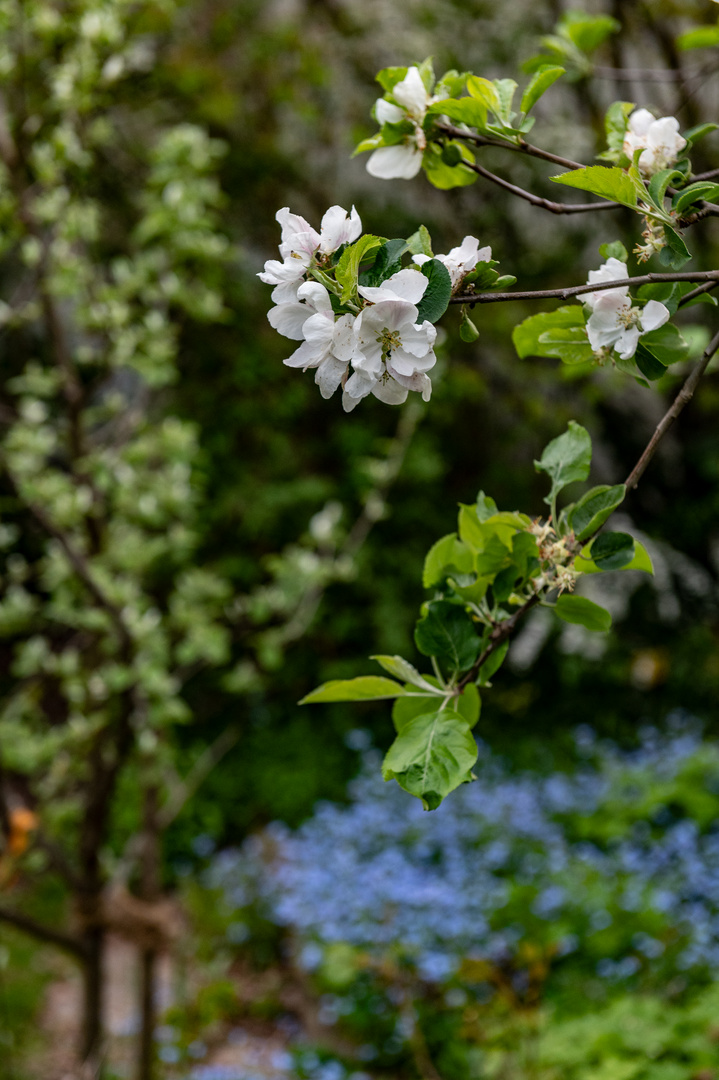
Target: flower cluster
{"type": "Point", "coordinates": [614, 324]}
{"type": "Point", "coordinates": [500, 864]}
{"type": "Point", "coordinates": [659, 141]}
{"type": "Point", "coordinates": [556, 557]}
{"type": "Point", "coordinates": [403, 160]}
{"type": "Point", "coordinates": [366, 338]}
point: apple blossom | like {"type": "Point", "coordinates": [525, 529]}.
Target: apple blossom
{"type": "Point", "coordinates": [328, 344]}
{"type": "Point", "coordinates": [615, 324]}
{"type": "Point", "coordinates": [300, 245]}
{"type": "Point", "coordinates": [461, 260]}
{"type": "Point", "coordinates": [402, 161]}
{"type": "Point", "coordinates": [659, 140]}
{"type": "Point", "coordinates": [612, 270]}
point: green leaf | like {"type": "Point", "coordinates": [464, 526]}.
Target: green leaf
{"type": "Point", "coordinates": [467, 330]}
{"type": "Point", "coordinates": [526, 336]}
{"type": "Point", "coordinates": [610, 183]}
{"type": "Point", "coordinates": [434, 303]}
{"type": "Point", "coordinates": [614, 250]}
{"type": "Point", "coordinates": [570, 345]}
{"type": "Point", "coordinates": [492, 664]}
{"type": "Point", "coordinates": [444, 176]}
{"type": "Point", "coordinates": [420, 243]}
{"type": "Point", "coordinates": [593, 509]}
{"type": "Point", "coordinates": [464, 111]}
{"type": "Point", "coordinates": [448, 556]}
{"type": "Point", "coordinates": [651, 368]}
{"type": "Point", "coordinates": [432, 755]}
{"type": "Point", "coordinates": [447, 632]}
{"type": "Point", "coordinates": [676, 253]}
{"type": "Point", "coordinates": [485, 91]}
{"type": "Point", "coordinates": [505, 96]}
{"type": "Point", "coordinates": [615, 124]}
{"type": "Point", "coordinates": [540, 82]}
{"type": "Point", "coordinates": [467, 704]}
{"type": "Point", "coordinates": [694, 134]}
{"type": "Point", "coordinates": [694, 193]}
{"type": "Point", "coordinates": [364, 688]}
{"type": "Point", "coordinates": [485, 506]}
{"type": "Point", "coordinates": [657, 186]}
{"type": "Point", "coordinates": [347, 272]}
{"type": "Point", "coordinates": [408, 707]}
{"type": "Point", "coordinates": [577, 609]}
{"type": "Point", "coordinates": [612, 550]}
{"type": "Point", "coordinates": [389, 77]}
{"type": "Point", "coordinates": [587, 32]}
{"type": "Point", "coordinates": [387, 262]}
{"type": "Point", "coordinates": [402, 669]}
{"type": "Point", "coordinates": [370, 143]}
{"type": "Point", "coordinates": [641, 561]}
{"type": "Point", "coordinates": [566, 459]}
{"type": "Point", "coordinates": [704, 37]}
{"type": "Point", "coordinates": [666, 344]}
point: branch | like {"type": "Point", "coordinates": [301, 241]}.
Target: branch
{"type": "Point", "coordinates": [536, 200]}
{"type": "Point", "coordinates": [504, 630]}
{"type": "Point", "coordinates": [707, 287]}
{"type": "Point", "coordinates": [681, 400]}
{"type": "Point", "coordinates": [75, 558]}
{"type": "Point", "coordinates": [522, 148]}
{"type": "Point", "coordinates": [199, 771]}
{"type": "Point", "coordinates": [43, 933]}
{"type": "Point", "coordinates": [577, 290]}
{"type": "Point", "coordinates": [498, 636]}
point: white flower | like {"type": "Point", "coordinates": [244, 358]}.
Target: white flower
{"type": "Point", "coordinates": [328, 344]}
{"type": "Point", "coordinates": [615, 324]}
{"type": "Point", "coordinates": [289, 318]}
{"type": "Point", "coordinates": [460, 260]}
{"type": "Point", "coordinates": [659, 141]}
{"type": "Point", "coordinates": [612, 270]}
{"type": "Point", "coordinates": [403, 160]}
{"type": "Point", "coordinates": [300, 244]}
{"type": "Point", "coordinates": [392, 351]}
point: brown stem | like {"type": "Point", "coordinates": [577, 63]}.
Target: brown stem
{"type": "Point", "coordinates": [537, 200]}
{"type": "Point", "coordinates": [680, 402]}
{"type": "Point", "coordinates": [577, 290]}
{"type": "Point", "coordinates": [700, 289]}
{"type": "Point", "coordinates": [44, 933]}
{"type": "Point", "coordinates": [498, 636]}
{"type": "Point", "coordinates": [519, 148]}
{"type": "Point", "coordinates": [150, 888]}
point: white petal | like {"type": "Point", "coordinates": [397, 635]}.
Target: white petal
{"type": "Point", "coordinates": [297, 234]}
{"type": "Point", "coordinates": [318, 330]}
{"type": "Point", "coordinates": [339, 227]}
{"type": "Point", "coordinates": [390, 392]}
{"type": "Point", "coordinates": [639, 122]}
{"type": "Point", "coordinates": [315, 295]}
{"type": "Point", "coordinates": [387, 315]}
{"type": "Point", "coordinates": [285, 293]}
{"type": "Point", "coordinates": [407, 285]}
{"type": "Point", "coordinates": [288, 320]}
{"type": "Point", "coordinates": [418, 382]}
{"type": "Point", "coordinates": [344, 339]}
{"type": "Point", "coordinates": [387, 113]}
{"type": "Point", "coordinates": [411, 94]}
{"type": "Point", "coordinates": [653, 316]}
{"type": "Point", "coordinates": [627, 342]}
{"type": "Point", "coordinates": [418, 340]}
{"type": "Point", "coordinates": [359, 385]}
{"type": "Point", "coordinates": [400, 162]}
{"type": "Point", "coordinates": [307, 356]}
{"type": "Point", "coordinates": [277, 273]}
{"type": "Point", "coordinates": [420, 260]}
{"type": "Point", "coordinates": [349, 403]}
{"type": "Point", "coordinates": [329, 376]}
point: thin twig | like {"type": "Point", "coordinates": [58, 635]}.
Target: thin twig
{"type": "Point", "coordinates": [699, 291]}
{"type": "Point", "coordinates": [680, 402]}
{"type": "Point", "coordinates": [43, 933]}
{"type": "Point", "coordinates": [199, 771]}
{"type": "Point", "coordinates": [537, 200]}
{"type": "Point", "coordinates": [498, 636]}
{"type": "Point", "coordinates": [577, 290]}
{"type": "Point", "coordinates": [520, 148]}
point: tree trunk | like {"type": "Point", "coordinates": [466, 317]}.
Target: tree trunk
{"type": "Point", "coordinates": [150, 889]}
{"type": "Point", "coordinates": [91, 1036]}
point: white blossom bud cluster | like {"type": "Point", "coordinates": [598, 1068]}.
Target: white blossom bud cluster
{"type": "Point", "coordinates": [659, 140]}
{"type": "Point", "coordinates": [377, 345]}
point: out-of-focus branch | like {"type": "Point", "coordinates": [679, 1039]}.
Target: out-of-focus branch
{"type": "Point", "coordinates": [42, 932]}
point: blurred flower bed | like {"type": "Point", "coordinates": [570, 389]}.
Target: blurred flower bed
{"type": "Point", "coordinates": [554, 925]}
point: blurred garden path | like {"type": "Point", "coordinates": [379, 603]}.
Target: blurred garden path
{"type": "Point", "coordinates": [235, 1055]}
